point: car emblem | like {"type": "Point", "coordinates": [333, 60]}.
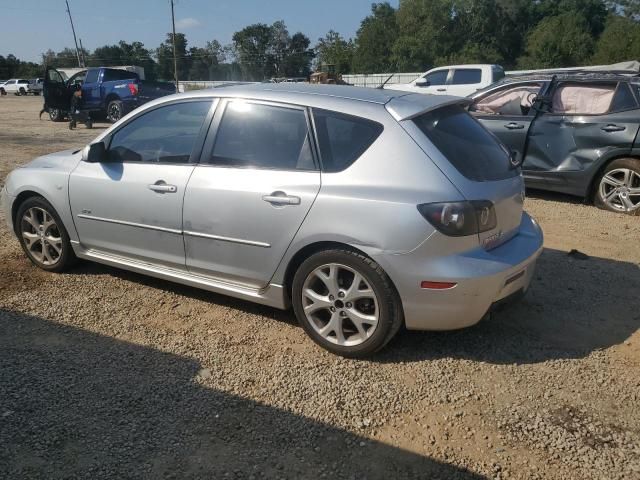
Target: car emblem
{"type": "Point", "coordinates": [492, 240]}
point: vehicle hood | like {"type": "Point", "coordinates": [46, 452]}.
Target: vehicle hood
{"type": "Point", "coordinates": [64, 161]}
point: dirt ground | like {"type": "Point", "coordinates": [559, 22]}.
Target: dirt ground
{"type": "Point", "coordinates": [105, 373]}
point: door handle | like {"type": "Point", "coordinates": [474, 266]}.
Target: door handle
{"type": "Point", "coordinates": [442, 89]}
{"type": "Point", "coordinates": [162, 187]}
{"type": "Point", "coordinates": [514, 126]}
{"type": "Point", "coordinates": [281, 198]}
{"type": "Point", "coordinates": [613, 128]}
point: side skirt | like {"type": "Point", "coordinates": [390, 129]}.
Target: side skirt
{"type": "Point", "coordinates": [272, 295]}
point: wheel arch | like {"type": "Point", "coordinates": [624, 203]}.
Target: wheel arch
{"type": "Point", "coordinates": [19, 200]}
{"type": "Point", "coordinates": [110, 98]}
{"type": "Point", "coordinates": [306, 251]}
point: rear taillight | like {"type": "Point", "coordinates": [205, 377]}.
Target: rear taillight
{"type": "Point", "coordinates": [133, 88]}
{"type": "Point", "coordinates": [459, 219]}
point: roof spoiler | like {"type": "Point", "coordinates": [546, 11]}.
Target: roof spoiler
{"type": "Point", "coordinates": [407, 107]}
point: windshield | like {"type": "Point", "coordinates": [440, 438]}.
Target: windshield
{"type": "Point", "coordinates": [468, 146]}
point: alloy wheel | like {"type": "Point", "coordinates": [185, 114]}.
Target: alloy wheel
{"type": "Point", "coordinates": [340, 304]}
{"type": "Point", "coordinates": [41, 236]}
{"type": "Point", "coordinates": [620, 190]}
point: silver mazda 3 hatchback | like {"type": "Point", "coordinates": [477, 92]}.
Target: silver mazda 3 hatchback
{"type": "Point", "coordinates": [364, 210]}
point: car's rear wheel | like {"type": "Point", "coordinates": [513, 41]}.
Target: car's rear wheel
{"type": "Point", "coordinates": [56, 115]}
{"type": "Point", "coordinates": [22, 91]}
{"type": "Point", "coordinates": [618, 188]}
{"type": "Point", "coordinates": [346, 303]}
{"type": "Point", "coordinates": [115, 111]}
{"type": "Point", "coordinates": [42, 235]}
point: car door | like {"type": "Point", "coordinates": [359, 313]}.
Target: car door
{"type": "Point", "coordinates": [55, 91]}
{"type": "Point", "coordinates": [434, 82]}
{"type": "Point", "coordinates": [245, 201]}
{"type": "Point", "coordinates": [588, 122]}
{"type": "Point", "coordinates": [130, 205]}
{"type": "Point", "coordinates": [507, 112]}
{"type": "Point", "coordinates": [91, 90]}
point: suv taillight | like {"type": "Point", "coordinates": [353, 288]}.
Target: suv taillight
{"type": "Point", "coordinates": [459, 219]}
{"type": "Point", "coordinates": [133, 88]}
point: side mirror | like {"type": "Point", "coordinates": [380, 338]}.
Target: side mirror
{"type": "Point", "coordinates": [94, 153]}
{"type": "Point", "coordinates": [422, 83]}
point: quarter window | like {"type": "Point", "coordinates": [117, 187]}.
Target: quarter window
{"type": "Point", "coordinates": [343, 138]}
{"type": "Point", "coordinates": [466, 76]}
{"type": "Point", "coordinates": [252, 135]}
{"type": "Point", "coordinates": [623, 99]}
{"type": "Point", "coordinates": [166, 134]}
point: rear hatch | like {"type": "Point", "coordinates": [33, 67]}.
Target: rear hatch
{"type": "Point", "coordinates": [475, 161]}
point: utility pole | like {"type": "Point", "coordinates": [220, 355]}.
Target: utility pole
{"type": "Point", "coordinates": [74, 34]}
{"type": "Point", "coordinates": [175, 58]}
{"type": "Point", "coordinates": [84, 60]}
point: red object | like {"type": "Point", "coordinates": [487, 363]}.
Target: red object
{"type": "Point", "coordinates": [437, 285]}
{"type": "Point", "coordinates": [133, 88]}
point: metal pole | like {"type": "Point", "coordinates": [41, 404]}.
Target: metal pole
{"type": "Point", "coordinates": [84, 60]}
{"type": "Point", "coordinates": [74, 34]}
{"type": "Point", "coordinates": [175, 58]}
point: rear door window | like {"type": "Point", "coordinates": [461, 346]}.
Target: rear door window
{"type": "Point", "coordinates": [343, 138]}
{"type": "Point", "coordinates": [466, 144]}
{"type": "Point", "coordinates": [466, 76]}
{"type": "Point", "coordinates": [92, 76]}
{"type": "Point", "coordinates": [253, 135]}
{"type": "Point", "coordinates": [583, 98]}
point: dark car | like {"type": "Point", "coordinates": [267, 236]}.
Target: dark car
{"type": "Point", "coordinates": [575, 133]}
{"type": "Point", "coordinates": [108, 92]}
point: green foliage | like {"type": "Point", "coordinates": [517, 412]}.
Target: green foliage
{"type": "Point", "coordinates": [559, 41]}
{"type": "Point", "coordinates": [333, 49]}
{"type": "Point", "coordinates": [375, 39]}
{"type": "Point", "coordinates": [11, 67]}
{"type": "Point", "coordinates": [620, 41]}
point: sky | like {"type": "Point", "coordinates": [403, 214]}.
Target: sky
{"type": "Point", "coordinates": [29, 28]}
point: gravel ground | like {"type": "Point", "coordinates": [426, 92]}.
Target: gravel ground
{"type": "Point", "coordinates": [108, 374]}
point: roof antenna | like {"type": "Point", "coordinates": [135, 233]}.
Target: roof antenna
{"type": "Point", "coordinates": [381, 86]}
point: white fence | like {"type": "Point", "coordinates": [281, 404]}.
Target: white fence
{"type": "Point", "coordinates": [185, 85]}
{"type": "Point", "coordinates": [376, 79]}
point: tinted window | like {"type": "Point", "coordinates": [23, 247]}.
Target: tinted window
{"type": "Point", "coordinates": [437, 78]}
{"type": "Point", "coordinates": [262, 136]}
{"type": "Point", "coordinates": [112, 74]}
{"type": "Point", "coordinates": [343, 138]}
{"type": "Point", "coordinates": [92, 76]}
{"type": "Point", "coordinates": [497, 73]}
{"type": "Point", "coordinates": [466, 144]}
{"type": "Point", "coordinates": [623, 99]}
{"type": "Point", "coordinates": [166, 134]}
{"type": "Point", "coordinates": [466, 76]}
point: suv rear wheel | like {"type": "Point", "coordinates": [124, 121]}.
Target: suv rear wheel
{"type": "Point", "coordinates": [346, 303]}
{"type": "Point", "coordinates": [618, 188]}
{"type": "Point", "coordinates": [43, 236]}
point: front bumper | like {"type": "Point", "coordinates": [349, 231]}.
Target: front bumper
{"type": "Point", "coordinates": [482, 278]}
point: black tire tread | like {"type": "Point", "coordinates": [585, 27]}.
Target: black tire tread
{"type": "Point", "coordinates": [390, 297]}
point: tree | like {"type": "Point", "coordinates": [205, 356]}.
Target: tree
{"type": "Point", "coordinates": [375, 39]}
{"type": "Point", "coordinates": [619, 41]}
{"type": "Point", "coordinates": [563, 40]}
{"type": "Point", "coordinates": [297, 62]}
{"type": "Point", "coordinates": [335, 50]}
{"type": "Point", "coordinates": [165, 57]}
{"type": "Point", "coordinates": [253, 45]}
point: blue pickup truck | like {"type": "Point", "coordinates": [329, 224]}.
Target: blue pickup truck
{"type": "Point", "coordinates": [106, 92]}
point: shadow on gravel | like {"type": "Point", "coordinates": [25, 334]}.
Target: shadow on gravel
{"type": "Point", "coordinates": [74, 404]}
{"type": "Point", "coordinates": [555, 196]}
{"type": "Point", "coordinates": [573, 308]}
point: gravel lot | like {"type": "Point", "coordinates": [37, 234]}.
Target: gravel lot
{"type": "Point", "coordinates": [105, 373]}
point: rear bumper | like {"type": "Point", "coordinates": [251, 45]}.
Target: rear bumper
{"type": "Point", "coordinates": [482, 279]}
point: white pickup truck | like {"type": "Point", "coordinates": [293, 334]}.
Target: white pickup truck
{"type": "Point", "coordinates": [17, 86]}
{"type": "Point", "coordinates": [459, 80]}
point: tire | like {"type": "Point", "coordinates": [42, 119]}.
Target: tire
{"type": "Point", "coordinates": [56, 115]}
{"type": "Point", "coordinates": [36, 94]}
{"type": "Point", "coordinates": [383, 303]}
{"type": "Point", "coordinates": [618, 188]}
{"type": "Point", "coordinates": [3, 91]}
{"type": "Point", "coordinates": [115, 111]}
{"type": "Point", "coordinates": [22, 91]}
{"type": "Point", "coordinates": [44, 239]}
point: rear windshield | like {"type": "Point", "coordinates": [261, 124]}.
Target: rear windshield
{"type": "Point", "coordinates": [470, 148]}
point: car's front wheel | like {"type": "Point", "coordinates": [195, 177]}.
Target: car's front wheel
{"type": "Point", "coordinates": [618, 188]}
{"type": "Point", "coordinates": [3, 91]}
{"type": "Point", "coordinates": [115, 111]}
{"type": "Point", "coordinates": [43, 236]}
{"type": "Point", "coordinates": [346, 303]}
{"type": "Point", "coordinates": [56, 115]}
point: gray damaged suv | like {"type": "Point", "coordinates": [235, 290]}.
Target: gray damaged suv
{"type": "Point", "coordinates": [362, 209]}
